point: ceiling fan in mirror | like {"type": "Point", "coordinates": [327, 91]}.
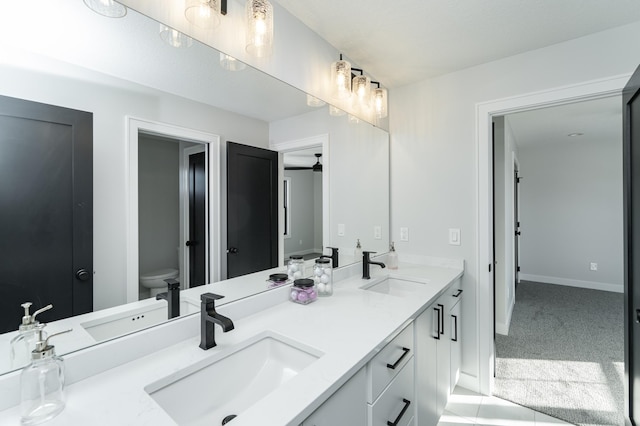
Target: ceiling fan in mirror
{"type": "Point", "coordinates": [316, 167]}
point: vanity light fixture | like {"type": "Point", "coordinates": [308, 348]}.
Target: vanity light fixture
{"type": "Point", "coordinates": [380, 101]}
{"type": "Point", "coordinates": [108, 8]}
{"type": "Point", "coordinates": [312, 101]}
{"type": "Point", "coordinates": [230, 63]}
{"type": "Point", "coordinates": [341, 79]}
{"type": "Point", "coordinates": [259, 42]}
{"type": "Point", "coordinates": [205, 13]}
{"type": "Point", "coordinates": [174, 38]}
{"type": "Point", "coordinates": [361, 87]}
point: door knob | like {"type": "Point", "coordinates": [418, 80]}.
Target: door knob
{"type": "Point", "coordinates": [232, 250]}
{"type": "Point", "coordinates": [83, 274]}
{"type": "Point", "coordinates": [192, 243]}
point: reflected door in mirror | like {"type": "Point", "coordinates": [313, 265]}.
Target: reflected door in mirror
{"type": "Point", "coordinates": [252, 209]}
{"type": "Point", "coordinates": [197, 219]}
{"type": "Point", "coordinates": [46, 210]}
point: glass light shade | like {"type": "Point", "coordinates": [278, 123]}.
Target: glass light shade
{"type": "Point", "coordinates": [380, 102]}
{"type": "Point", "coordinates": [361, 90]}
{"type": "Point", "coordinates": [203, 13]}
{"type": "Point", "coordinates": [174, 38]}
{"type": "Point", "coordinates": [259, 28]}
{"type": "Point", "coordinates": [312, 101]}
{"type": "Point", "coordinates": [335, 111]}
{"type": "Point", "coordinates": [108, 8]}
{"type": "Point", "coordinates": [230, 63]}
{"type": "Point", "coordinates": [341, 79]}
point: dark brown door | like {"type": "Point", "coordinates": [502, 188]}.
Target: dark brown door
{"type": "Point", "coordinates": [197, 219]}
{"type": "Point", "coordinates": [46, 210]}
{"type": "Point", "coordinates": [252, 209]}
{"type": "Point", "coordinates": [631, 177]}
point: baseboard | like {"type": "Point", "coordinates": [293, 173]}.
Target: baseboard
{"type": "Point", "coordinates": [469, 382]}
{"type": "Point", "coordinates": [615, 288]}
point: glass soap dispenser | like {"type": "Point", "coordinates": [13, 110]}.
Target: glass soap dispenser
{"type": "Point", "coordinates": [25, 341]}
{"type": "Point", "coordinates": [357, 254]}
{"type": "Point", "coordinates": [392, 257]}
{"type": "Point", "coordinates": [42, 383]}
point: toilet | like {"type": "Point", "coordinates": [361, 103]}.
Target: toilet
{"type": "Point", "coordinates": [154, 280]}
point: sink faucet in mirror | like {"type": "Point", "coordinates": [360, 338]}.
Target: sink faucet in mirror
{"type": "Point", "coordinates": [172, 296]}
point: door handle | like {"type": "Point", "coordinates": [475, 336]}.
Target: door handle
{"type": "Point", "coordinates": [191, 243]}
{"type": "Point", "coordinates": [232, 250]}
{"type": "Point", "coordinates": [82, 274]}
{"type": "Point", "coordinates": [518, 232]}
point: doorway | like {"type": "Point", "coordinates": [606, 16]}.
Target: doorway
{"type": "Point", "coordinates": [189, 139]}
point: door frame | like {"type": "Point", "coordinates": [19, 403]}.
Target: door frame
{"type": "Point", "coordinates": [184, 215]}
{"type": "Point", "coordinates": [135, 125]}
{"type": "Point", "coordinates": [321, 140]}
{"type": "Point", "coordinates": [485, 111]}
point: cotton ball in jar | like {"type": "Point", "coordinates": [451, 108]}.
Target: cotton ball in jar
{"type": "Point", "coordinates": [293, 267]}
{"type": "Point", "coordinates": [321, 288]}
{"type": "Point", "coordinates": [317, 272]}
{"type": "Point", "coordinates": [324, 279]}
{"type": "Point", "coordinates": [294, 295]}
{"type": "Point", "coordinates": [297, 275]}
{"type": "Point", "coordinates": [327, 271]}
{"type": "Point", "coordinates": [302, 296]}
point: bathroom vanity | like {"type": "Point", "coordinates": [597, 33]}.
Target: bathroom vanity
{"type": "Point", "coordinates": [357, 357]}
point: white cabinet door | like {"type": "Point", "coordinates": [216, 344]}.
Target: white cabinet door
{"type": "Point", "coordinates": [426, 366]}
{"type": "Point", "coordinates": [347, 406]}
{"type": "Point", "coordinates": [443, 385]}
{"type": "Point", "coordinates": [456, 342]}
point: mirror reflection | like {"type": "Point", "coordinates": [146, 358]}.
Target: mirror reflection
{"type": "Point", "coordinates": [119, 70]}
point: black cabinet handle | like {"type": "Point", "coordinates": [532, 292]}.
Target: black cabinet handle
{"type": "Point", "coordinates": [404, 410]}
{"type": "Point", "coordinates": [405, 351]}
{"type": "Point", "coordinates": [437, 336]}
{"type": "Point", "coordinates": [458, 293]}
{"type": "Point", "coordinates": [441, 319]}
{"type": "Point", "coordinates": [455, 327]}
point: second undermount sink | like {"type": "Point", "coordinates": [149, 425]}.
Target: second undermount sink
{"type": "Point", "coordinates": [133, 320]}
{"type": "Point", "coordinates": [395, 286]}
{"type": "Point", "coordinates": [225, 385]}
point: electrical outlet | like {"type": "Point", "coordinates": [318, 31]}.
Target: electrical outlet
{"type": "Point", "coordinates": [404, 234]}
{"type": "Point", "coordinates": [593, 266]}
{"type": "Point", "coordinates": [377, 232]}
{"type": "Point", "coordinates": [341, 230]}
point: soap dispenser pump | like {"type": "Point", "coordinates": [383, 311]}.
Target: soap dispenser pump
{"type": "Point", "coordinates": [358, 252]}
{"type": "Point", "coordinates": [392, 257]}
{"type": "Point", "coordinates": [25, 341]}
{"type": "Point", "coordinates": [42, 382]}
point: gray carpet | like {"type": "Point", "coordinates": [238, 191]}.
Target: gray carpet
{"type": "Point", "coordinates": [564, 355]}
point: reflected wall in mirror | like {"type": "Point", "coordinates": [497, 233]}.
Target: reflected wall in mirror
{"type": "Point", "coordinates": [117, 69]}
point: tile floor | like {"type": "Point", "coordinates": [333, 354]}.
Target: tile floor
{"type": "Point", "coordinates": [469, 408]}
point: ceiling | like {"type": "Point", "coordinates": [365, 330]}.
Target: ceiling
{"type": "Point", "coordinates": [403, 41]}
{"type": "Point", "coordinates": [597, 120]}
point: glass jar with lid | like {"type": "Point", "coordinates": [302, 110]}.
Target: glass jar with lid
{"type": "Point", "coordinates": [295, 267]}
{"type": "Point", "coordinates": [303, 291]}
{"type": "Point", "coordinates": [323, 276]}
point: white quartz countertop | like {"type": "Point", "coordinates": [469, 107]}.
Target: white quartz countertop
{"type": "Point", "coordinates": [349, 328]}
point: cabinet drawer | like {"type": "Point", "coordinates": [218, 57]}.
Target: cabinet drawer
{"type": "Point", "coordinates": [397, 402]}
{"type": "Point", "coordinates": [388, 363]}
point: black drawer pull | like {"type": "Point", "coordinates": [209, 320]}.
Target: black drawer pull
{"type": "Point", "coordinates": [455, 319]}
{"type": "Point", "coordinates": [404, 410]}
{"type": "Point", "coordinates": [405, 351]}
{"type": "Point", "coordinates": [458, 293]}
{"type": "Point", "coordinates": [441, 319]}
{"type": "Point", "coordinates": [437, 336]}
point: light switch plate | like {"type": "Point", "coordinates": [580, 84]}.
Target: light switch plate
{"type": "Point", "coordinates": [341, 230]}
{"type": "Point", "coordinates": [377, 232]}
{"type": "Point", "coordinates": [404, 234]}
{"type": "Point", "coordinates": [454, 236]}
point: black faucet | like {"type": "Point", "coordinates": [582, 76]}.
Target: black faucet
{"type": "Point", "coordinates": [209, 318]}
{"type": "Point", "coordinates": [333, 257]}
{"type": "Point", "coordinates": [366, 262]}
{"type": "Point", "coordinates": [172, 296]}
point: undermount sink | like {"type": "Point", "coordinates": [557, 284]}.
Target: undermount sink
{"type": "Point", "coordinates": [395, 287]}
{"type": "Point", "coordinates": [133, 320]}
{"type": "Point", "coordinates": [225, 385]}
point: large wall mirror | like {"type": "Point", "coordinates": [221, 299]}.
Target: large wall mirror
{"type": "Point", "coordinates": [63, 54]}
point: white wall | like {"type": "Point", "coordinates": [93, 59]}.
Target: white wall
{"type": "Point", "coordinates": [158, 204]}
{"type": "Point", "coordinates": [302, 212]}
{"type": "Point", "coordinates": [110, 102]}
{"type": "Point", "coordinates": [571, 212]}
{"type": "Point", "coordinates": [434, 157]}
